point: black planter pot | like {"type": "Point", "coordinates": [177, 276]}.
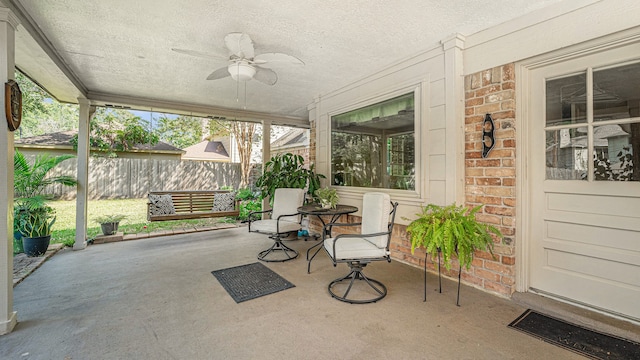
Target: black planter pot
{"type": "Point", "coordinates": [109, 228]}
{"type": "Point", "coordinates": [36, 246]}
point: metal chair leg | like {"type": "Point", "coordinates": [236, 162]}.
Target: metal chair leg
{"type": "Point", "coordinates": [278, 246]}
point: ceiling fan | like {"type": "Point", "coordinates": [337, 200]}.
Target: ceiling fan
{"type": "Point", "coordinates": [244, 64]}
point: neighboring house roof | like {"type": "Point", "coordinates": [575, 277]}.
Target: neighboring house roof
{"type": "Point", "coordinates": [295, 137]}
{"type": "Point", "coordinates": [62, 140]}
{"type": "Point", "coordinates": [207, 150]}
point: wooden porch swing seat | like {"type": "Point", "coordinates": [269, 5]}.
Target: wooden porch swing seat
{"type": "Point", "coordinates": [191, 204]}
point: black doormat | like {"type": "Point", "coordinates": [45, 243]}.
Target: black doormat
{"type": "Point", "coordinates": [572, 337]}
{"type": "Point", "coordinates": [246, 282]}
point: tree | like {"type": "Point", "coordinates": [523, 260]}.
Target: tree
{"type": "Point", "coordinates": [244, 133]}
{"type": "Point", "coordinates": [181, 132]}
{"type": "Point", "coordinates": [114, 130]}
{"type": "Point", "coordinates": [41, 113]}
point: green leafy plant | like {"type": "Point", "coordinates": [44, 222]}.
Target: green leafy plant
{"type": "Point", "coordinates": [38, 222]}
{"type": "Point", "coordinates": [31, 178]}
{"type": "Point", "coordinates": [106, 219]}
{"type": "Point", "coordinates": [451, 230]}
{"type": "Point", "coordinates": [287, 171]}
{"type": "Point", "coordinates": [246, 194]}
{"type": "Point", "coordinates": [327, 197]}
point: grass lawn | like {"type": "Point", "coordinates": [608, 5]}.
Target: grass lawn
{"type": "Point", "coordinates": [135, 222]}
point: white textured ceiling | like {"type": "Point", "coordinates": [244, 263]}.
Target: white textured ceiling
{"type": "Point", "coordinates": [123, 47]}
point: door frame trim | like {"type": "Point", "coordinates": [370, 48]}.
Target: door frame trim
{"type": "Point", "coordinates": [523, 71]}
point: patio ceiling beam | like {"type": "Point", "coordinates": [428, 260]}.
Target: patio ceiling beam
{"type": "Point", "coordinates": [102, 99]}
{"type": "Point", "coordinates": [34, 30]}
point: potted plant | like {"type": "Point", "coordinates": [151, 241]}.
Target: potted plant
{"type": "Point", "coordinates": [287, 171]}
{"type": "Point", "coordinates": [327, 197]}
{"type": "Point", "coordinates": [451, 230]}
{"type": "Point", "coordinates": [35, 228]}
{"type": "Point", "coordinates": [109, 223]}
{"type": "Point", "coordinates": [31, 178]}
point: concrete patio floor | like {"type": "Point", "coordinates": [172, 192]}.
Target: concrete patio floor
{"type": "Point", "coordinates": [157, 299]}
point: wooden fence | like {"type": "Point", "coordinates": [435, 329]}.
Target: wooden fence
{"type": "Point", "coordinates": [125, 178]}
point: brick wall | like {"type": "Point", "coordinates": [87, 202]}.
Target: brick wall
{"type": "Point", "coordinates": [491, 181]}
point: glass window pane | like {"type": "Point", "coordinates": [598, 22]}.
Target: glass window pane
{"type": "Point", "coordinates": [616, 94]}
{"type": "Point", "coordinates": [566, 100]}
{"type": "Point", "coordinates": [617, 149]}
{"type": "Point", "coordinates": [374, 146]}
{"type": "Point", "coordinates": [567, 154]}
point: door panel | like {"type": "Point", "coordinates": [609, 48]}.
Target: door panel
{"type": "Point", "coordinates": [584, 238]}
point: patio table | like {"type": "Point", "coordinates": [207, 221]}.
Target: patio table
{"type": "Point", "coordinates": [319, 211]}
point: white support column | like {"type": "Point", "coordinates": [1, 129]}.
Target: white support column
{"type": "Point", "coordinates": [8, 317]}
{"type": "Point", "coordinates": [86, 112]}
{"type": "Point", "coordinates": [454, 115]}
{"type": "Point", "coordinates": [266, 153]}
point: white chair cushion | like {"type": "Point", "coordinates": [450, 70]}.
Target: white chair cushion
{"type": "Point", "coordinates": [354, 248]}
{"type": "Point", "coordinates": [270, 226]}
{"type": "Point", "coordinates": [287, 201]}
{"type": "Point", "coordinates": [376, 207]}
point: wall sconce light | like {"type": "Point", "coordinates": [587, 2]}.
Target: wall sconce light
{"type": "Point", "coordinates": [488, 140]}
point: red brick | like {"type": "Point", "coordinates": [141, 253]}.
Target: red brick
{"type": "Point", "coordinates": [474, 102]}
{"type": "Point", "coordinates": [499, 191]}
{"type": "Point", "coordinates": [489, 181]}
{"type": "Point", "coordinates": [508, 105]}
{"type": "Point", "coordinates": [471, 279]}
{"type": "Point", "coordinates": [487, 109]}
{"type": "Point", "coordinates": [508, 72]}
{"type": "Point", "coordinates": [509, 202]}
{"type": "Point", "coordinates": [499, 210]}
{"type": "Point", "coordinates": [499, 115]}
{"type": "Point", "coordinates": [488, 90]}
{"type": "Point", "coordinates": [508, 260]}
{"type": "Point", "coordinates": [488, 163]}
{"type": "Point", "coordinates": [499, 268]}
{"type": "Point", "coordinates": [487, 275]}
{"type": "Point", "coordinates": [507, 280]}
{"type": "Point", "coordinates": [509, 182]}
{"type": "Point", "coordinates": [509, 143]}
{"type": "Point", "coordinates": [510, 85]}
{"type": "Point", "coordinates": [500, 172]}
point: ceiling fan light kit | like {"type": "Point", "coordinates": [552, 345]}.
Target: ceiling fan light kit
{"type": "Point", "coordinates": [244, 64]}
{"type": "Point", "coordinates": [241, 71]}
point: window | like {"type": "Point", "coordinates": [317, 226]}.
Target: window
{"type": "Point", "coordinates": [594, 135]}
{"type": "Point", "coordinates": [374, 146]}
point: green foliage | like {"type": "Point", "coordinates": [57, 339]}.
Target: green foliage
{"type": "Point", "coordinates": [37, 222]}
{"type": "Point", "coordinates": [106, 219]}
{"type": "Point", "coordinates": [41, 113]}
{"type": "Point", "coordinates": [327, 196]}
{"type": "Point", "coordinates": [181, 132]}
{"type": "Point", "coordinates": [114, 130]}
{"type": "Point", "coordinates": [30, 179]}
{"type": "Point", "coordinates": [622, 171]}
{"type": "Point", "coordinates": [451, 230]}
{"type": "Point", "coordinates": [248, 206]}
{"type": "Point", "coordinates": [287, 171]}
{"type": "Point", "coordinates": [246, 194]}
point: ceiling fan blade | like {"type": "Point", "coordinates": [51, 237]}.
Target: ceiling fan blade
{"type": "Point", "coordinates": [277, 57]}
{"type": "Point", "coordinates": [199, 54]}
{"type": "Point", "coordinates": [223, 72]}
{"type": "Point", "coordinates": [240, 44]}
{"type": "Point", "coordinates": [266, 76]}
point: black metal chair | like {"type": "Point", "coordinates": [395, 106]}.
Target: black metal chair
{"type": "Point", "coordinates": [358, 250]}
{"type": "Point", "coordinates": [284, 220]}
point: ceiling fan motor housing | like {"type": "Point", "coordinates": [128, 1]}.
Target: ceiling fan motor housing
{"type": "Point", "coordinates": [241, 71]}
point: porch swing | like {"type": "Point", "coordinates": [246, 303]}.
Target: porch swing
{"type": "Point", "coordinates": [188, 204]}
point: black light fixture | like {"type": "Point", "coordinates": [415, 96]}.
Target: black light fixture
{"type": "Point", "coordinates": [488, 140]}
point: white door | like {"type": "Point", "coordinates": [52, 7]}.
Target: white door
{"type": "Point", "coordinates": [583, 172]}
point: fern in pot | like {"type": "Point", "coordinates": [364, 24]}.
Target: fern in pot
{"type": "Point", "coordinates": [451, 230]}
